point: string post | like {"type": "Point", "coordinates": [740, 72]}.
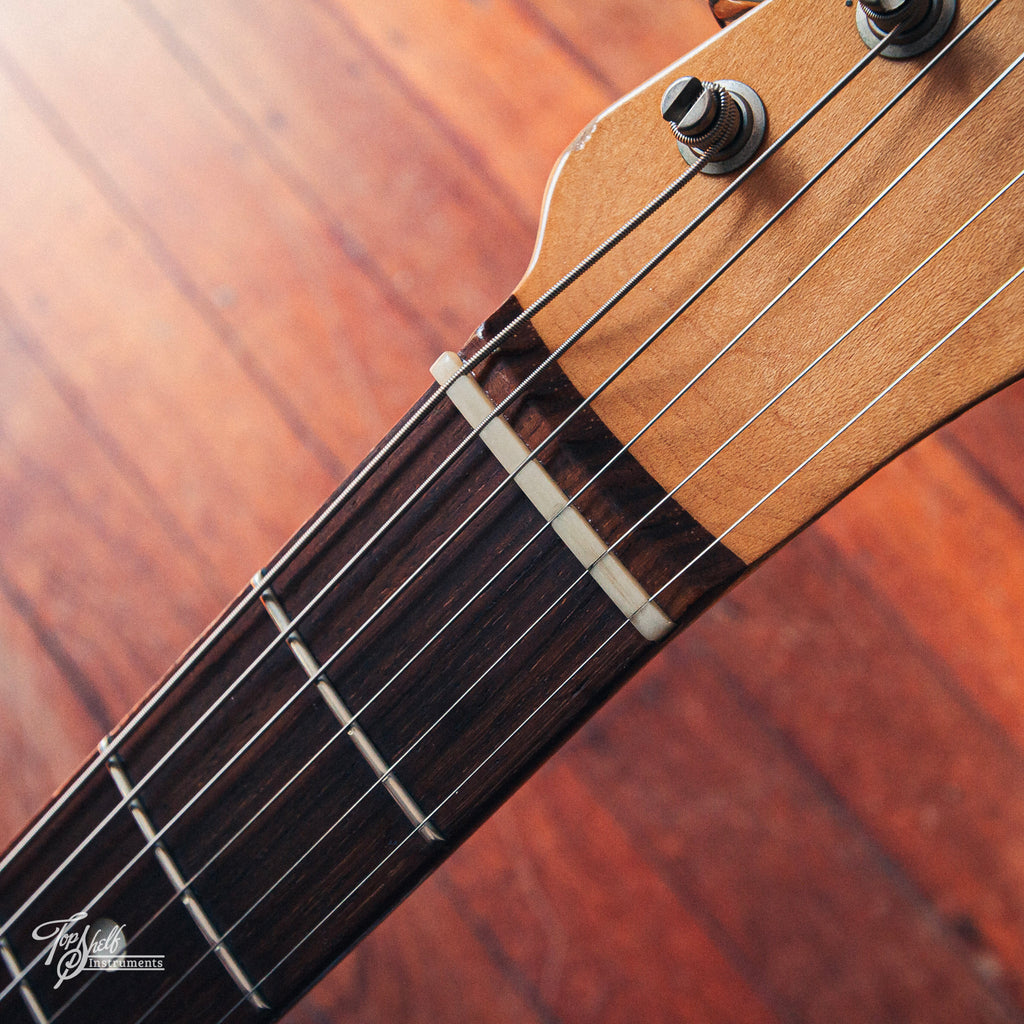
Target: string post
{"type": "Point", "coordinates": [920, 23]}
{"type": "Point", "coordinates": [718, 124]}
{"type": "Point", "coordinates": [680, 98]}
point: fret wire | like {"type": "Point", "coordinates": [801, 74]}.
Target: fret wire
{"type": "Point", "coordinates": [870, 312]}
{"type": "Point", "coordinates": [806, 117]}
{"type": "Point", "coordinates": [247, 600]}
{"type": "Point", "coordinates": [853, 420]}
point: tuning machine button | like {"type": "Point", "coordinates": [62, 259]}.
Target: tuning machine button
{"type": "Point", "coordinates": [723, 121]}
{"type": "Point", "coordinates": [922, 24]}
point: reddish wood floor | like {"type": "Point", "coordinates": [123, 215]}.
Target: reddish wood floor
{"type": "Point", "coordinates": [233, 235]}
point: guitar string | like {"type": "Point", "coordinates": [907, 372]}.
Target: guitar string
{"type": "Point", "coordinates": [623, 625]}
{"type": "Point", "coordinates": [990, 6]}
{"type": "Point", "coordinates": [421, 489]}
{"type": "Point", "coordinates": [299, 543]}
{"type": "Point", "coordinates": [662, 501]}
{"type": "Point", "coordinates": [759, 316]}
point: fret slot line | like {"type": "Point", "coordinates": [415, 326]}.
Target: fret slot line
{"type": "Point", "coordinates": [551, 502]}
{"type": "Point", "coordinates": [119, 774]}
{"type": "Point", "coordinates": [355, 732]}
{"type": "Point", "coordinates": [27, 995]}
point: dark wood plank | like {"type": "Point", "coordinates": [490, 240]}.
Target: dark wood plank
{"type": "Point", "coordinates": [572, 881]}
{"type": "Point", "coordinates": [184, 181]}
{"type": "Point", "coordinates": [913, 528]}
{"type": "Point", "coordinates": [136, 358]}
{"type": "Point", "coordinates": [878, 713]}
{"type": "Point", "coordinates": [69, 518]}
{"type": "Point", "coordinates": [48, 727]}
{"type": "Point", "coordinates": [617, 41]}
{"type": "Point", "coordinates": [781, 873]}
{"type": "Point", "coordinates": [389, 977]}
{"type": "Point", "coordinates": [431, 48]}
{"type": "Point", "coordinates": [986, 440]}
{"type": "Point", "coordinates": [407, 222]}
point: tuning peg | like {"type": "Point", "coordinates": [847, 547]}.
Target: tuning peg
{"type": "Point", "coordinates": [721, 122]}
{"type": "Point", "coordinates": [679, 97]}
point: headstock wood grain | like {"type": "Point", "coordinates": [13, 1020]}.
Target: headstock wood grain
{"type": "Point", "coordinates": [626, 156]}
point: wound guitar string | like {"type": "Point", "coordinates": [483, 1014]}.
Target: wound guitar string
{"type": "Point", "coordinates": [138, 785]}
{"type": "Point", "coordinates": [817, 360]}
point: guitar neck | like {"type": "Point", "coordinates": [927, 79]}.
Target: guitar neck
{"type": "Point", "coordinates": [330, 742]}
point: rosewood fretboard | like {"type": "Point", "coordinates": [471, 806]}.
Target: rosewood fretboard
{"type": "Point", "coordinates": [321, 825]}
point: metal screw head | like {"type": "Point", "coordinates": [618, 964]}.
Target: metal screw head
{"type": "Point", "coordinates": [680, 97]}
{"type": "Point", "coordinates": [728, 121]}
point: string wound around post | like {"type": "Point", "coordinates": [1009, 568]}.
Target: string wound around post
{"type": "Point", "coordinates": [922, 24]}
{"type": "Point", "coordinates": [722, 123]}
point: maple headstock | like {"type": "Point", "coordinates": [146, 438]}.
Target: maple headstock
{"type": "Point", "coordinates": [627, 155]}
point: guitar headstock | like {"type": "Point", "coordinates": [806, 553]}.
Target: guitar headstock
{"type": "Point", "coordinates": [778, 308]}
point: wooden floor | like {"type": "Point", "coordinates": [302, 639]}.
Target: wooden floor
{"type": "Point", "coordinates": [233, 236]}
